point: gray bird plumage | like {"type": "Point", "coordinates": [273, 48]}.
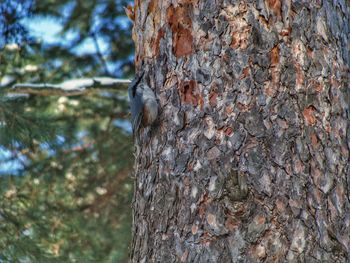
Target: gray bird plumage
{"type": "Point", "coordinates": [143, 104]}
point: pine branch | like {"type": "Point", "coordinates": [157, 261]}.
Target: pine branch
{"type": "Point", "coordinates": [71, 87]}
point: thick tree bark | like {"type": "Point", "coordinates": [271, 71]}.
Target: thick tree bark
{"type": "Point", "coordinates": [249, 161]}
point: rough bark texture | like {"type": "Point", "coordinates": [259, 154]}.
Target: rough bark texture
{"type": "Point", "coordinates": [249, 161]}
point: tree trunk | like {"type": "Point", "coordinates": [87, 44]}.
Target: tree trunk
{"type": "Point", "coordinates": [249, 160]}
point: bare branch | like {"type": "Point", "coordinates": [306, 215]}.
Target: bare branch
{"type": "Point", "coordinates": [71, 87]}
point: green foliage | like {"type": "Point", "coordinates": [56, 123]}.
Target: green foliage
{"type": "Point", "coordinates": [71, 206]}
{"type": "Point", "coordinates": [23, 125]}
{"type": "Point", "coordinates": [69, 198]}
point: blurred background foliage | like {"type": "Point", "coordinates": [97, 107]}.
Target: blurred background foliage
{"type": "Point", "coordinates": [65, 162]}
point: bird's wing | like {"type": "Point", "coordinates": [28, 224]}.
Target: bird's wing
{"type": "Point", "coordinates": [136, 122]}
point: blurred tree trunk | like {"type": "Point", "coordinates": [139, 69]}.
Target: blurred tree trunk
{"type": "Point", "coordinates": [249, 161]}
